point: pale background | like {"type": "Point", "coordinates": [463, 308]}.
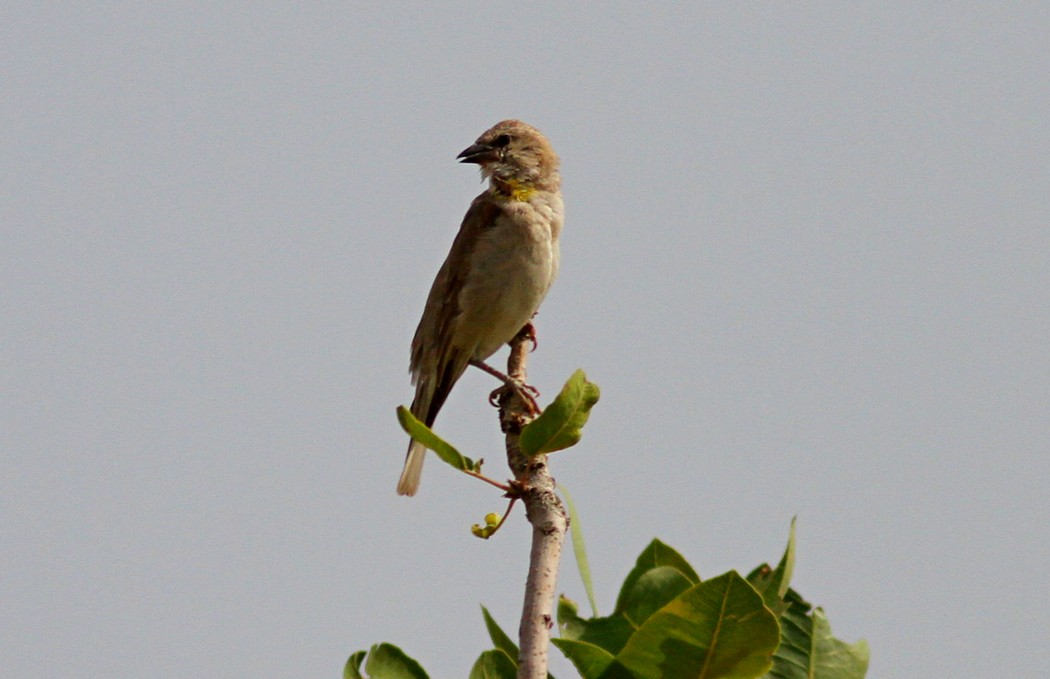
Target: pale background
{"type": "Point", "coordinates": [807, 259]}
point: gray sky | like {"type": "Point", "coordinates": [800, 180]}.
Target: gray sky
{"type": "Point", "coordinates": [807, 259]}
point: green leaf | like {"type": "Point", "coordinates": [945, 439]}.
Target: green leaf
{"type": "Point", "coordinates": [773, 584]}
{"type": "Point", "coordinates": [352, 669]}
{"type": "Point", "coordinates": [786, 568]}
{"type": "Point", "coordinates": [610, 634]}
{"type": "Point", "coordinates": [719, 628]}
{"type": "Point", "coordinates": [655, 589]}
{"type": "Point", "coordinates": [659, 575]}
{"type": "Point", "coordinates": [590, 660]}
{"type": "Point", "coordinates": [494, 664]}
{"type": "Point", "coordinates": [837, 658]}
{"type": "Point", "coordinates": [499, 638]}
{"type": "Point", "coordinates": [422, 433]}
{"type": "Point", "coordinates": [385, 661]}
{"type": "Point", "coordinates": [559, 425]}
{"type": "Point", "coordinates": [570, 624]}
{"type": "Point", "coordinates": [656, 554]}
{"type": "Point", "coordinates": [808, 651]}
{"type": "Point", "coordinates": [579, 550]}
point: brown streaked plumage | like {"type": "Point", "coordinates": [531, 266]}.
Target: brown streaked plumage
{"type": "Point", "coordinates": [499, 269]}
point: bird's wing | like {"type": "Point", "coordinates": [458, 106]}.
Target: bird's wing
{"type": "Point", "coordinates": [438, 361]}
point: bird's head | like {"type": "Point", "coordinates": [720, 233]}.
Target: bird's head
{"type": "Point", "coordinates": [515, 157]}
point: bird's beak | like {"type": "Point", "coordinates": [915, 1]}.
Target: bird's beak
{"type": "Point", "coordinates": [478, 153]}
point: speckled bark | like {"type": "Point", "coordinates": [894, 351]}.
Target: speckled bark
{"type": "Point", "coordinates": [549, 520]}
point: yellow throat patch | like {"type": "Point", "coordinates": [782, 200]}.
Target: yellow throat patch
{"type": "Point", "coordinates": [515, 190]}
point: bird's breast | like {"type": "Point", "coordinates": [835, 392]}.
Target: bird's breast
{"type": "Point", "coordinates": [513, 265]}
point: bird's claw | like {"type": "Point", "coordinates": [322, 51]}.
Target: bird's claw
{"type": "Point", "coordinates": [527, 392]}
{"type": "Point", "coordinates": [528, 332]}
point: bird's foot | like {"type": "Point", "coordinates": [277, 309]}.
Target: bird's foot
{"type": "Point", "coordinates": [527, 392]}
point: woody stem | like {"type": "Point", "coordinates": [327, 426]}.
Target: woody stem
{"type": "Point", "coordinates": [549, 520]}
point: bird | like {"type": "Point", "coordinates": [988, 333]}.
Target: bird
{"type": "Point", "coordinates": [498, 271]}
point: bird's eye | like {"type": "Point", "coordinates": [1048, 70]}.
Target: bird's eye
{"type": "Point", "coordinates": [501, 140]}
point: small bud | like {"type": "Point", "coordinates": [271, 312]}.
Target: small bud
{"type": "Point", "coordinates": [492, 519]}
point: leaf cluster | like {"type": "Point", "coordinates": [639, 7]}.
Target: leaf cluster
{"type": "Point", "coordinates": [670, 624]}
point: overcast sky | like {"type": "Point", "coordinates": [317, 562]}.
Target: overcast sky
{"type": "Point", "coordinates": [806, 258]}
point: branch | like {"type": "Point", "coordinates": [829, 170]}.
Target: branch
{"type": "Point", "coordinates": [544, 511]}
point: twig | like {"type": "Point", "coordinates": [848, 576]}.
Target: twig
{"type": "Point", "coordinates": [481, 477]}
{"type": "Point", "coordinates": [545, 512]}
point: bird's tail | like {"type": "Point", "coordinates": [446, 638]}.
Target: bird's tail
{"type": "Point", "coordinates": [408, 484]}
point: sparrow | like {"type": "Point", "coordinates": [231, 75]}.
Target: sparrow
{"type": "Point", "coordinates": [500, 267]}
